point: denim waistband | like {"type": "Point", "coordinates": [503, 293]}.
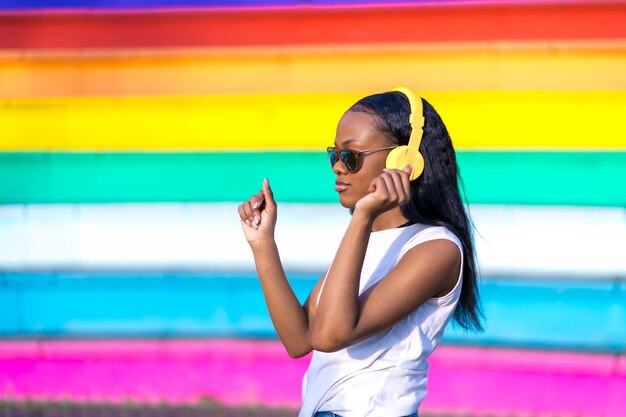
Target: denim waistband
{"type": "Point", "coordinates": [331, 414]}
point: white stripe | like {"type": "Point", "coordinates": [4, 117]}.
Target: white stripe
{"type": "Point", "coordinates": [510, 240]}
{"type": "Point", "coordinates": [551, 240]}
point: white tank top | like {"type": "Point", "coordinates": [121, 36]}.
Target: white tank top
{"type": "Point", "coordinates": [384, 375]}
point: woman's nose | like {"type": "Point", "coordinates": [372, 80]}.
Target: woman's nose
{"type": "Point", "coordinates": [338, 168]}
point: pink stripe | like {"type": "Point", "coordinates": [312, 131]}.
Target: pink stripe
{"type": "Point", "coordinates": [234, 372]}
{"type": "Point", "coordinates": [462, 379]}
{"type": "Point", "coordinates": [506, 360]}
{"type": "Point", "coordinates": [501, 382]}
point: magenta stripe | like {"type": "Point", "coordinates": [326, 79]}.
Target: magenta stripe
{"type": "Point", "coordinates": [501, 382]}
{"type": "Point", "coordinates": [462, 380]}
{"type": "Point", "coordinates": [234, 372]}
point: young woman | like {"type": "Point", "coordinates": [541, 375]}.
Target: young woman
{"type": "Point", "coordinates": [404, 268]}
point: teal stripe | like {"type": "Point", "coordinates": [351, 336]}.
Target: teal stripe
{"type": "Point", "coordinates": [555, 178]}
{"type": "Point", "coordinates": [539, 313]}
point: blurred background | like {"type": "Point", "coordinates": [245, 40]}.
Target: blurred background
{"type": "Point", "coordinates": [130, 130]}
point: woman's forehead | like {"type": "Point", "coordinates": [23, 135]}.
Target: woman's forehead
{"type": "Point", "coordinates": [358, 129]}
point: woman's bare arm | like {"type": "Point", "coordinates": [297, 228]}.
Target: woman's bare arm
{"type": "Point", "coordinates": [290, 319]}
{"type": "Point", "coordinates": [288, 316]}
{"type": "Point", "coordinates": [343, 318]}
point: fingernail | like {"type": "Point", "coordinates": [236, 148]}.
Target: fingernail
{"type": "Point", "coordinates": [256, 220]}
{"type": "Point", "coordinates": [248, 222]}
{"type": "Point", "coordinates": [255, 205]}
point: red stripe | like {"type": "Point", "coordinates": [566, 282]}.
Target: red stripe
{"type": "Point", "coordinates": [313, 26]}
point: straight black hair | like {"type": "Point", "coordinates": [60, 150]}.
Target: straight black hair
{"type": "Point", "coordinates": [436, 194]}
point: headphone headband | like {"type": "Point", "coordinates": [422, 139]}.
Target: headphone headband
{"type": "Point", "coordinates": [404, 155]}
{"type": "Point", "coordinates": [416, 118]}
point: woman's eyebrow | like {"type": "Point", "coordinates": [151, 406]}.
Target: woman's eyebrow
{"type": "Point", "coordinates": [347, 142]}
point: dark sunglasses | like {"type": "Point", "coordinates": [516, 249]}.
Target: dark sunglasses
{"type": "Point", "coordinates": [350, 159]}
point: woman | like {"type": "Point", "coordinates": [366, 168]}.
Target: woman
{"type": "Point", "coordinates": [404, 267]}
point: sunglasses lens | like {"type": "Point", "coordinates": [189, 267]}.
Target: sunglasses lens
{"type": "Point", "coordinates": [332, 156]}
{"type": "Point", "coordinates": [349, 160]}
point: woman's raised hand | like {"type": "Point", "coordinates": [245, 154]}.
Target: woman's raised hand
{"type": "Point", "coordinates": [389, 190]}
{"type": "Point", "coordinates": [258, 215]}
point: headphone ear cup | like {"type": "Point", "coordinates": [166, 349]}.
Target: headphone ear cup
{"type": "Point", "coordinates": [418, 166]}
{"type": "Point", "coordinates": [397, 159]}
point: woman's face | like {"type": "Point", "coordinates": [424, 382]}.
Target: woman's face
{"type": "Point", "coordinates": [356, 131]}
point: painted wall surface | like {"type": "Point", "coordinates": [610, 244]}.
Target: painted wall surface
{"type": "Point", "coordinates": [130, 129]}
{"type": "Point", "coordinates": [503, 382]}
{"type": "Point", "coordinates": [537, 313]}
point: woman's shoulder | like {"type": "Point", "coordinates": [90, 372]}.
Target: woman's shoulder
{"type": "Point", "coordinates": [424, 233]}
{"type": "Point", "coordinates": [396, 242]}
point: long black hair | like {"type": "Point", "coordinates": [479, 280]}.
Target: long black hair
{"type": "Point", "coordinates": [435, 195]}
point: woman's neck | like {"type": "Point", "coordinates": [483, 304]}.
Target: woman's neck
{"type": "Point", "coordinates": [389, 220]}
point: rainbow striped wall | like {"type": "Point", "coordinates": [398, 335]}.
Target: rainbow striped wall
{"type": "Point", "coordinates": [130, 129]}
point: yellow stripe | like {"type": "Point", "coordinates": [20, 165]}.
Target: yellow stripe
{"type": "Point", "coordinates": [442, 67]}
{"type": "Point", "coordinates": [591, 120]}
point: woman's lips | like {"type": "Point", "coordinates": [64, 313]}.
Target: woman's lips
{"type": "Point", "coordinates": [340, 186]}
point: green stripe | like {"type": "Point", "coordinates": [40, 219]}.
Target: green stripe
{"type": "Point", "coordinates": [555, 178]}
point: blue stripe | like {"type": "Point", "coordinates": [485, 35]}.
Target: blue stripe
{"type": "Point", "coordinates": [586, 315]}
{"type": "Point", "coordinates": [576, 314]}
{"type": "Point", "coordinates": [145, 4]}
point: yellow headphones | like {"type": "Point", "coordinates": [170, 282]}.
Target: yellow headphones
{"type": "Point", "coordinates": [404, 155]}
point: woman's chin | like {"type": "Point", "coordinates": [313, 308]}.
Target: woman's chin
{"type": "Point", "coordinates": [346, 202]}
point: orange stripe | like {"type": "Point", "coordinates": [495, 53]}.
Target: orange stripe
{"type": "Point", "coordinates": [559, 66]}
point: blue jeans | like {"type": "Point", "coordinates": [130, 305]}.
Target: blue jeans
{"type": "Point", "coordinates": [330, 414]}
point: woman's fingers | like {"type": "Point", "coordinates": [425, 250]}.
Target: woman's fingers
{"type": "Point", "coordinates": [251, 211]}
{"type": "Point", "coordinates": [243, 215]}
{"type": "Point", "coordinates": [402, 184]}
{"type": "Point", "coordinates": [390, 189]}
{"type": "Point", "coordinates": [398, 185]}
{"type": "Point", "coordinates": [244, 210]}
{"type": "Point", "coordinates": [247, 209]}
{"type": "Point", "coordinates": [392, 194]}
{"type": "Point", "coordinates": [381, 187]}
{"type": "Point", "coordinates": [405, 176]}
{"type": "Point", "coordinates": [256, 202]}
{"type": "Point", "coordinates": [259, 208]}
{"type": "Point", "coordinates": [372, 187]}
{"type": "Point", "coordinates": [256, 213]}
